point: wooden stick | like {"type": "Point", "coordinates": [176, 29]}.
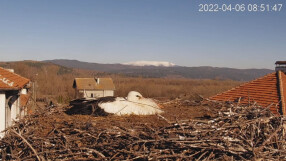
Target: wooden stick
{"type": "Point", "coordinates": [19, 135]}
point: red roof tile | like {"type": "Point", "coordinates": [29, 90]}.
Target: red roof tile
{"type": "Point", "coordinates": [10, 80]}
{"type": "Point", "coordinates": [24, 98]}
{"type": "Point", "coordinates": [263, 91]}
{"type": "Point", "coordinates": [282, 85]}
{"type": "Point", "coordinates": [92, 84]}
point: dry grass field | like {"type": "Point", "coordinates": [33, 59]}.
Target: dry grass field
{"type": "Point", "coordinates": [171, 87]}
{"type": "Point", "coordinates": [55, 82]}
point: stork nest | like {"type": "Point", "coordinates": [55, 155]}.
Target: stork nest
{"type": "Point", "coordinates": [219, 132]}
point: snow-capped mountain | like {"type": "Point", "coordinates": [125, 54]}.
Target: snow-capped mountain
{"type": "Point", "coordinates": [152, 71]}
{"type": "Point", "coordinates": [151, 63]}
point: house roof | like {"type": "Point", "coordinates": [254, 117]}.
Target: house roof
{"type": "Point", "coordinates": [24, 98]}
{"type": "Point", "coordinates": [11, 81]}
{"type": "Point", "coordinates": [93, 84]}
{"type": "Point", "coordinates": [268, 91]}
{"type": "Point", "coordinates": [280, 62]}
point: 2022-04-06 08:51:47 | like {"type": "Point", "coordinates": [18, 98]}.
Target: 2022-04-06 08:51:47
{"type": "Point", "coordinates": [240, 7]}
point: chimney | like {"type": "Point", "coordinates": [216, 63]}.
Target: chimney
{"type": "Point", "coordinates": [280, 66]}
{"type": "Point", "coordinates": [10, 70]}
{"type": "Point", "coordinates": [97, 80]}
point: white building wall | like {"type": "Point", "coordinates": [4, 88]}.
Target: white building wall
{"type": "Point", "coordinates": [2, 113]}
{"type": "Point", "coordinates": [14, 111]}
{"type": "Point", "coordinates": [24, 91]}
{"type": "Point", "coordinates": [91, 93]}
{"type": "Point", "coordinates": [96, 93]}
{"type": "Point", "coordinates": [18, 115]}
{"type": "Point", "coordinates": [86, 94]}
{"type": "Point", "coordinates": [22, 112]}
{"type": "Point", "coordinates": [8, 116]}
{"type": "Point", "coordinates": [108, 93]}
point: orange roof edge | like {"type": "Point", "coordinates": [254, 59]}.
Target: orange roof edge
{"type": "Point", "coordinates": [11, 80]}
{"type": "Point", "coordinates": [242, 85]}
{"type": "Point", "coordinates": [281, 75]}
{"type": "Point", "coordinates": [264, 91]}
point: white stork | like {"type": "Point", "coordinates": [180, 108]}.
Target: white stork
{"type": "Point", "coordinates": [134, 104]}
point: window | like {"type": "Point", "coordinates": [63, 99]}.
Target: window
{"type": "Point", "coordinates": [91, 95]}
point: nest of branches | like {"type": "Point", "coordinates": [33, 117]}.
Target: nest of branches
{"type": "Point", "coordinates": [232, 133]}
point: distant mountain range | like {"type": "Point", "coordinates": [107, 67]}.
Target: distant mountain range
{"type": "Point", "coordinates": [151, 63]}
{"type": "Point", "coordinates": [167, 70]}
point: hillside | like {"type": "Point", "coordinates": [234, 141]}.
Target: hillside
{"type": "Point", "coordinates": [203, 72]}
{"type": "Point", "coordinates": [51, 81]}
{"type": "Point", "coordinates": [55, 82]}
{"type": "Point", "coordinates": [151, 63]}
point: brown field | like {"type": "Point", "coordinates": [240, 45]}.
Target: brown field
{"type": "Point", "coordinates": [55, 82]}
{"type": "Point", "coordinates": [171, 88]}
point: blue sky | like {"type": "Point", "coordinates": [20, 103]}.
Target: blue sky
{"type": "Point", "coordinates": [119, 31]}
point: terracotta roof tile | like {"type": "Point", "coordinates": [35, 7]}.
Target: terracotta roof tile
{"type": "Point", "coordinates": [91, 84]}
{"type": "Point", "coordinates": [263, 91]}
{"type": "Point", "coordinates": [10, 80]}
{"type": "Point", "coordinates": [282, 84]}
{"type": "Point", "coordinates": [24, 98]}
